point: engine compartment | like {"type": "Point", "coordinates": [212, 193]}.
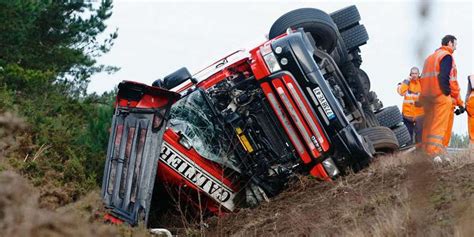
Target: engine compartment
{"type": "Point", "coordinates": [231, 123]}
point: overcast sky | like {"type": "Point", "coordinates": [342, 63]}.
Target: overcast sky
{"type": "Point", "coordinates": [157, 37]}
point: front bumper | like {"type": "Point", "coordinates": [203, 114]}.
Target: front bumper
{"type": "Point", "coordinates": [297, 51]}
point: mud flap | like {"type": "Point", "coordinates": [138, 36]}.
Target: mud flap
{"type": "Point", "coordinates": [132, 159]}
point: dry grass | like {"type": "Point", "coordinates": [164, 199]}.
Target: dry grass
{"type": "Point", "coordinates": [10, 125]}
{"type": "Point", "coordinates": [20, 214]}
{"type": "Point", "coordinates": [400, 195]}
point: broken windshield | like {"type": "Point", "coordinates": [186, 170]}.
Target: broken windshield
{"type": "Point", "coordinates": [192, 116]}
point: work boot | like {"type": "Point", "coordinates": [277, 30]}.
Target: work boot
{"type": "Point", "coordinates": [441, 159]}
{"type": "Point", "coordinates": [437, 160]}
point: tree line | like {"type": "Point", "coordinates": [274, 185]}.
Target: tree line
{"type": "Point", "coordinates": [48, 52]}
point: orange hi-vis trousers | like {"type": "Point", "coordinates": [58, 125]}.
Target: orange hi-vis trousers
{"type": "Point", "coordinates": [470, 117]}
{"type": "Point", "coordinates": [437, 123]}
{"type": "Point", "coordinates": [447, 136]}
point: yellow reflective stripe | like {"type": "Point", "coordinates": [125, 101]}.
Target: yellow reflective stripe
{"type": "Point", "coordinates": [440, 54]}
{"type": "Point", "coordinates": [452, 78]}
{"type": "Point", "coordinates": [436, 137]}
{"type": "Point", "coordinates": [429, 74]}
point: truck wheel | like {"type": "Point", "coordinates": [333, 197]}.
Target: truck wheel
{"type": "Point", "coordinates": [355, 37]}
{"type": "Point", "coordinates": [403, 136]}
{"type": "Point", "coordinates": [346, 18]}
{"type": "Point", "coordinates": [383, 139]}
{"type": "Point", "coordinates": [318, 23]}
{"type": "Point", "coordinates": [389, 117]}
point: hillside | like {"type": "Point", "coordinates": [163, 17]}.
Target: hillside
{"type": "Point", "coordinates": [401, 195]}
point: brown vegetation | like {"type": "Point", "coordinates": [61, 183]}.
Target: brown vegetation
{"type": "Point", "coordinates": [402, 195]}
{"type": "Point", "coordinates": [399, 195]}
{"type": "Point", "coordinates": [20, 214]}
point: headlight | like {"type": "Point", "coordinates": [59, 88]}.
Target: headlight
{"type": "Point", "coordinates": [330, 167]}
{"type": "Point", "coordinates": [272, 62]}
{"type": "Point", "coordinates": [270, 59]}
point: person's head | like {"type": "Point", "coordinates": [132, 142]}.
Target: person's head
{"type": "Point", "coordinates": [414, 73]}
{"type": "Point", "coordinates": [450, 41]}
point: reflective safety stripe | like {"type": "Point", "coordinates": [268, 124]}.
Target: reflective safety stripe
{"type": "Point", "coordinates": [452, 78]}
{"type": "Point", "coordinates": [429, 74]}
{"type": "Point", "coordinates": [409, 101]}
{"type": "Point", "coordinates": [434, 144]}
{"type": "Point", "coordinates": [412, 118]}
{"type": "Point", "coordinates": [436, 137]}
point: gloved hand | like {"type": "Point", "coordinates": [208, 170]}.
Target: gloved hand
{"type": "Point", "coordinates": [460, 110]}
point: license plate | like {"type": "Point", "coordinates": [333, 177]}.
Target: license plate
{"type": "Point", "coordinates": [324, 103]}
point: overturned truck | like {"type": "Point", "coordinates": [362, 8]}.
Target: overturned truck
{"type": "Point", "coordinates": [235, 133]}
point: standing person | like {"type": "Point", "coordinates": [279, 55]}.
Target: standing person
{"type": "Point", "coordinates": [412, 111]}
{"type": "Point", "coordinates": [438, 87]}
{"type": "Point", "coordinates": [470, 109]}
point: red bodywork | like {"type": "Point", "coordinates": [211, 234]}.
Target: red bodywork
{"type": "Point", "coordinates": [213, 198]}
{"type": "Point", "coordinates": [308, 150]}
{"type": "Point", "coordinates": [201, 182]}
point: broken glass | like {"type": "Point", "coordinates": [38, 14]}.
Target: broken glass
{"type": "Point", "coordinates": [193, 117]}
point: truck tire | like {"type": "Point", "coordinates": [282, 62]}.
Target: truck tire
{"type": "Point", "coordinates": [318, 23]}
{"type": "Point", "coordinates": [346, 18]}
{"type": "Point", "coordinates": [389, 117]}
{"type": "Point", "coordinates": [383, 139]}
{"type": "Point", "coordinates": [355, 37]}
{"type": "Point", "coordinates": [403, 136]}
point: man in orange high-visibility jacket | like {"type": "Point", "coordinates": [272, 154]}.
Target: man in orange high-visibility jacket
{"type": "Point", "coordinates": [412, 111]}
{"type": "Point", "coordinates": [438, 87]}
{"type": "Point", "coordinates": [456, 102]}
{"type": "Point", "coordinates": [470, 109]}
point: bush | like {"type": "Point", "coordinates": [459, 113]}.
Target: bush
{"type": "Point", "coordinates": [48, 52]}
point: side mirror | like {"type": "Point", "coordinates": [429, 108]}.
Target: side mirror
{"type": "Point", "coordinates": [157, 83]}
{"type": "Point", "coordinates": [176, 78]}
